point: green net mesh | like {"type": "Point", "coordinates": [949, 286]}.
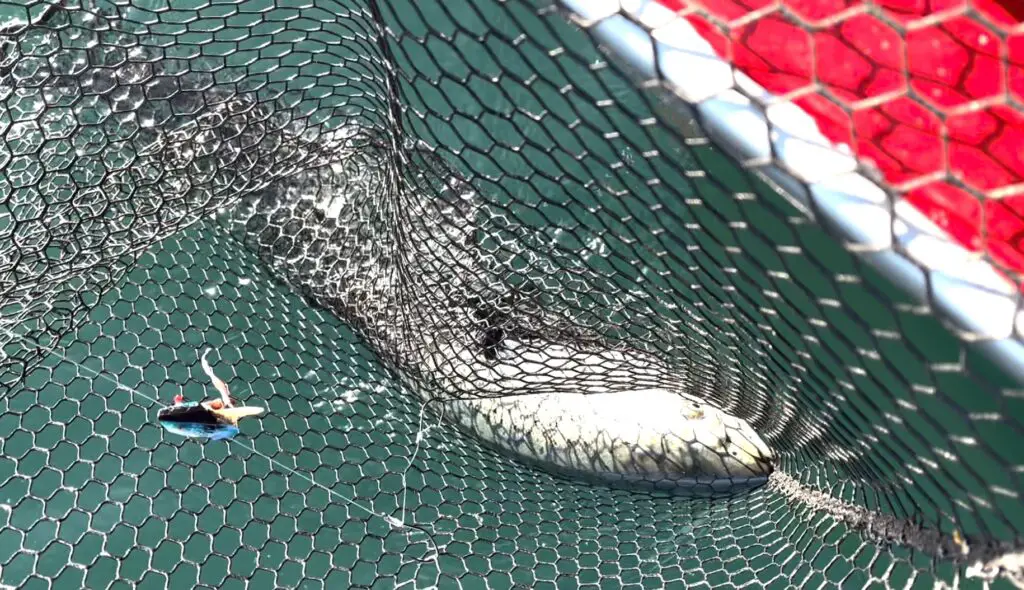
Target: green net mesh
{"type": "Point", "coordinates": [343, 198]}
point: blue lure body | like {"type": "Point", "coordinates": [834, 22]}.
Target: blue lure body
{"type": "Point", "coordinates": [193, 420]}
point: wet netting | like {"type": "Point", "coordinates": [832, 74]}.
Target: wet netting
{"type": "Point", "coordinates": [511, 327]}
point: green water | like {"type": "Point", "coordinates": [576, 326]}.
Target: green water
{"type": "Point", "coordinates": [528, 108]}
{"type": "Point", "coordinates": [93, 493]}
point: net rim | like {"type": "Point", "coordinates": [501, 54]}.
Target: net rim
{"type": "Point", "coordinates": [781, 143]}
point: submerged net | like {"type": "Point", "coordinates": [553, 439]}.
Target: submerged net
{"type": "Point", "coordinates": [361, 206]}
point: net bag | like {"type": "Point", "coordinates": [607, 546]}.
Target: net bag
{"type": "Point", "coordinates": [430, 237]}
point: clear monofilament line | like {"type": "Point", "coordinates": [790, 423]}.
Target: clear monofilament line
{"type": "Point", "coordinates": [392, 521]}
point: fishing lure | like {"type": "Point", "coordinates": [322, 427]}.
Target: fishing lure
{"type": "Point", "coordinates": [214, 419]}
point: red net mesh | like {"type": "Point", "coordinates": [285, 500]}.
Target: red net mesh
{"type": "Point", "coordinates": [929, 91]}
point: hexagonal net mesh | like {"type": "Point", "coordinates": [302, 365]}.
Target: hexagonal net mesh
{"type": "Point", "coordinates": [364, 207]}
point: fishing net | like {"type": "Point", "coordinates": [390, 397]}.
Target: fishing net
{"type": "Point", "coordinates": [364, 207]}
